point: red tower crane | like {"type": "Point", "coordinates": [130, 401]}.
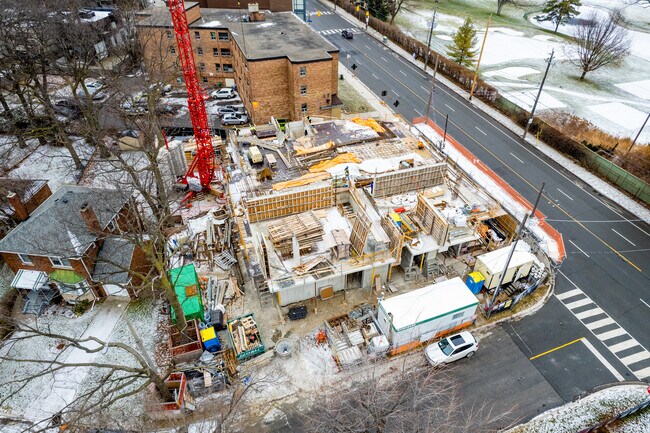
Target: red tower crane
{"type": "Point", "coordinates": [204, 160]}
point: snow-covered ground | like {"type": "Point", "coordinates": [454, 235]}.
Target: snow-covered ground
{"type": "Point", "coordinates": [591, 410]}
{"type": "Point", "coordinates": [514, 60]}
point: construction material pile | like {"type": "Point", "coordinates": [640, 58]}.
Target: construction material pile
{"type": "Point", "coordinates": [245, 337]}
{"type": "Point", "coordinates": [305, 227]}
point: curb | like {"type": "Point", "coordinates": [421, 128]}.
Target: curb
{"type": "Point", "coordinates": [594, 182]}
{"type": "Point", "coordinates": [607, 386]}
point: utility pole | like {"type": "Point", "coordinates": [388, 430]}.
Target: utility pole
{"type": "Point", "coordinates": [539, 93]}
{"type": "Point", "coordinates": [433, 22]}
{"type": "Point", "coordinates": [480, 56]}
{"type": "Point", "coordinates": [433, 86]}
{"type": "Point", "coordinates": [444, 137]}
{"type": "Point", "coordinates": [637, 134]}
{"type": "Point", "coordinates": [512, 251]}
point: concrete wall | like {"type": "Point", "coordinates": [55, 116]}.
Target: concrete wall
{"type": "Point", "coordinates": [302, 292]}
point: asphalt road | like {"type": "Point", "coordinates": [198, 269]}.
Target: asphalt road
{"type": "Point", "coordinates": [605, 277]}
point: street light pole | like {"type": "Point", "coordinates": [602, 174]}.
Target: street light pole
{"type": "Point", "coordinates": [433, 21]}
{"type": "Point", "coordinates": [637, 134]}
{"type": "Point", "coordinates": [480, 56]}
{"type": "Point", "coordinates": [539, 93]}
{"type": "Point", "coordinates": [497, 290]}
{"type": "Point", "coordinates": [433, 86]}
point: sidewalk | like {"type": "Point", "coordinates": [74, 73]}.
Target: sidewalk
{"type": "Point", "coordinates": [595, 182]}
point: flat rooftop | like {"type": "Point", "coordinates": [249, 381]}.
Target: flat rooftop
{"type": "Point", "coordinates": [280, 35]}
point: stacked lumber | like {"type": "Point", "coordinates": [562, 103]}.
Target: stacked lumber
{"type": "Point", "coordinates": [318, 267]}
{"type": "Point", "coordinates": [305, 226]}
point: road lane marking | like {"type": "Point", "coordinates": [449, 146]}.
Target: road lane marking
{"type": "Point", "coordinates": [565, 194]}
{"type": "Point", "coordinates": [642, 372]}
{"type": "Point", "coordinates": [627, 344]}
{"type": "Point", "coordinates": [646, 304]}
{"type": "Point", "coordinates": [637, 357]}
{"type": "Point", "coordinates": [578, 303]}
{"type": "Point", "coordinates": [384, 60]}
{"type": "Point", "coordinates": [516, 173]}
{"type": "Point", "coordinates": [600, 323]}
{"type": "Point", "coordinates": [450, 108]}
{"type": "Point", "coordinates": [590, 313]}
{"type": "Point", "coordinates": [556, 348]}
{"type": "Point", "coordinates": [611, 334]}
{"type": "Point", "coordinates": [367, 46]}
{"type": "Point", "coordinates": [396, 94]}
{"type": "Point", "coordinates": [633, 244]}
{"type": "Point", "coordinates": [480, 130]}
{"type": "Point", "coordinates": [569, 294]}
{"type": "Point", "coordinates": [581, 250]}
{"type": "Point", "coordinates": [403, 73]}
{"type": "Point", "coordinates": [422, 87]}
{"type": "Point", "coordinates": [515, 157]}
{"type": "Point", "coordinates": [375, 76]}
{"type": "Point", "coordinates": [602, 359]}
{"type": "Point", "coordinates": [418, 112]}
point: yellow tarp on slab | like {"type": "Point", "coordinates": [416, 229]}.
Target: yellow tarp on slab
{"type": "Point", "coordinates": [305, 179]}
{"type": "Point", "coordinates": [370, 123]}
{"type": "Point", "coordinates": [344, 158]}
{"type": "Point", "coordinates": [308, 150]}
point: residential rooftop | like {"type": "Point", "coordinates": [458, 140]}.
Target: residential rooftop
{"type": "Point", "coordinates": [280, 35]}
{"type": "Point", "coordinates": [24, 188]}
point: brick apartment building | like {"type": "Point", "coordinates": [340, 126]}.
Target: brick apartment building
{"type": "Point", "coordinates": [268, 5]}
{"type": "Point", "coordinates": [70, 241]}
{"type": "Point", "coordinates": [281, 66]}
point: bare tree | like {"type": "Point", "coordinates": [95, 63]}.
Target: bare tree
{"type": "Point", "coordinates": [599, 41]}
{"type": "Point", "coordinates": [395, 7]}
{"type": "Point", "coordinates": [515, 3]}
{"type": "Point", "coordinates": [412, 399]}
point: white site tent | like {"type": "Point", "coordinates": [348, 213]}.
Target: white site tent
{"type": "Point", "coordinates": [418, 316]}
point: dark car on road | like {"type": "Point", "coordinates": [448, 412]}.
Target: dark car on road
{"type": "Point", "coordinates": [347, 34]}
{"type": "Point", "coordinates": [67, 109]}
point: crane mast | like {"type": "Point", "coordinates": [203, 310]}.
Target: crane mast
{"type": "Point", "coordinates": [204, 162]}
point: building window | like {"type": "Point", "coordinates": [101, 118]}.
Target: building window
{"type": "Point", "coordinates": [303, 71]}
{"type": "Point", "coordinates": [225, 52]}
{"type": "Point", "coordinates": [199, 51]}
{"type": "Point", "coordinates": [217, 67]}
{"type": "Point", "coordinates": [197, 35]}
{"type": "Point", "coordinates": [213, 35]}
{"type": "Point", "coordinates": [25, 259]}
{"type": "Point", "coordinates": [169, 34]}
{"type": "Point", "coordinates": [457, 316]}
{"type": "Point", "coordinates": [303, 108]}
{"type": "Point", "coordinates": [60, 262]}
{"type": "Point", "coordinates": [215, 51]}
{"type": "Point", "coordinates": [202, 67]}
{"type": "Point", "coordinates": [223, 36]}
{"type": "Point", "coordinates": [172, 50]}
{"type": "Point", "coordinates": [227, 67]}
{"type": "Point", "coordinates": [303, 90]}
{"type": "Point", "coordinates": [112, 226]}
{"type": "Point", "coordinates": [205, 80]}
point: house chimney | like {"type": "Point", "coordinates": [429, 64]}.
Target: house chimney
{"type": "Point", "coordinates": [90, 218]}
{"type": "Point", "coordinates": [19, 207]}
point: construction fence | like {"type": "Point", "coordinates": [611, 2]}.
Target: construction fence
{"type": "Point", "coordinates": [619, 176]}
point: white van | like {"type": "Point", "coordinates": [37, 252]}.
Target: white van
{"type": "Point", "coordinates": [255, 155]}
{"type": "Point", "coordinates": [271, 161]}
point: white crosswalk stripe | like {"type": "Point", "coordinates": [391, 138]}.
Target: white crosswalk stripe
{"type": "Point", "coordinates": [333, 31]}
{"type": "Point", "coordinates": [576, 298]}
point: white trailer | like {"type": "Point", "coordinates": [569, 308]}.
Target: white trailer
{"type": "Point", "coordinates": [416, 317]}
{"type": "Point", "coordinates": [491, 265]}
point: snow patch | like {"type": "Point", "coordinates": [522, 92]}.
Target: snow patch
{"type": "Point", "coordinates": [621, 114]}
{"type": "Point", "coordinates": [512, 73]}
{"type": "Point", "coordinates": [526, 99]}
{"type": "Point", "coordinates": [637, 88]}
{"type": "Point", "coordinates": [444, 37]}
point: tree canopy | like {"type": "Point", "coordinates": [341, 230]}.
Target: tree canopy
{"type": "Point", "coordinates": [560, 11]}
{"type": "Point", "coordinates": [461, 49]}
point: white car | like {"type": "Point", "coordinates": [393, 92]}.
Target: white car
{"type": "Point", "coordinates": [451, 348]}
{"type": "Point", "coordinates": [234, 119]}
{"type": "Point", "coordinates": [94, 88]}
{"type": "Point", "coordinates": [226, 93]}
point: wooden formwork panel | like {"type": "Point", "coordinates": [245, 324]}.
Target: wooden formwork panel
{"type": "Point", "coordinates": [289, 203]}
{"type": "Point", "coordinates": [396, 238]}
{"type": "Point", "coordinates": [430, 220]}
{"type": "Point", "coordinates": [410, 179]}
{"type": "Point", "coordinates": [360, 230]}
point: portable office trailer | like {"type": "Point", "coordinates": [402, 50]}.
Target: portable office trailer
{"type": "Point", "coordinates": [491, 265]}
{"type": "Point", "coordinates": [271, 161]}
{"type": "Point", "coordinates": [416, 317]}
{"type": "Point", "coordinates": [255, 155]}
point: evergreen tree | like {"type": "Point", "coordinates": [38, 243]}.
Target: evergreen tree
{"type": "Point", "coordinates": [560, 11]}
{"type": "Point", "coordinates": [460, 51]}
{"type": "Point", "coordinates": [378, 9]}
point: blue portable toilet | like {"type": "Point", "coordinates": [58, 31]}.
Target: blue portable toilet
{"type": "Point", "coordinates": [475, 282]}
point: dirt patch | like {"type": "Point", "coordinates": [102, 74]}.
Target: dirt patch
{"type": "Point", "coordinates": [277, 334]}
{"type": "Point", "coordinates": [353, 102]}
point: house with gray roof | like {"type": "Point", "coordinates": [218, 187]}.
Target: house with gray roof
{"type": "Point", "coordinates": [72, 240]}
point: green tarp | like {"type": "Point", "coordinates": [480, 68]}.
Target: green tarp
{"type": "Point", "coordinates": [192, 305]}
{"type": "Point", "coordinates": [66, 277]}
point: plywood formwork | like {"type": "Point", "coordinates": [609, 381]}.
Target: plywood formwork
{"type": "Point", "coordinates": [305, 227]}
{"type": "Point", "coordinates": [360, 230]}
{"type": "Point", "coordinates": [396, 238]}
{"type": "Point", "coordinates": [430, 220]}
{"type": "Point", "coordinates": [410, 179]}
{"type": "Point", "coordinates": [289, 203]}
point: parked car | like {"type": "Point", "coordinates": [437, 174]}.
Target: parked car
{"type": "Point", "coordinates": [67, 109]}
{"type": "Point", "coordinates": [225, 109]}
{"type": "Point", "coordinates": [162, 88]}
{"type": "Point", "coordinates": [94, 88]}
{"type": "Point", "coordinates": [130, 139]}
{"type": "Point", "coordinates": [234, 119]}
{"type": "Point", "coordinates": [136, 104]}
{"type": "Point", "coordinates": [451, 348]}
{"type": "Point", "coordinates": [168, 109]}
{"type": "Point", "coordinates": [347, 34]}
{"type": "Point", "coordinates": [226, 93]}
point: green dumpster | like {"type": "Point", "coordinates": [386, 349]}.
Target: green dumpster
{"type": "Point", "coordinates": [188, 291]}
